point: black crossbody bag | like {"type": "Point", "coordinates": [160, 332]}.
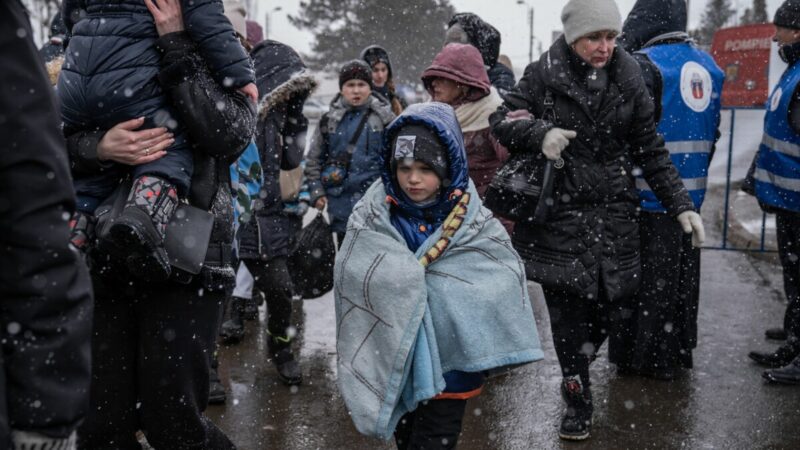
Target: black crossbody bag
{"type": "Point", "coordinates": [522, 190]}
{"type": "Point", "coordinates": [336, 169]}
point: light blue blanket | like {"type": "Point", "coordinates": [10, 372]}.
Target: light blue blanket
{"type": "Point", "coordinates": [400, 325]}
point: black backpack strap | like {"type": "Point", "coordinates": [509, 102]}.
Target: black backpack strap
{"type": "Point", "coordinates": [351, 146]}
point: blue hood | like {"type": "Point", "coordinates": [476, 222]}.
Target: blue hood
{"type": "Point", "coordinates": [441, 118]}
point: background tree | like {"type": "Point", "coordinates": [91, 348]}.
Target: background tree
{"type": "Point", "coordinates": [42, 12]}
{"type": "Point", "coordinates": [412, 31]}
{"type": "Point", "coordinates": [716, 15]}
{"type": "Point", "coordinates": [756, 14]}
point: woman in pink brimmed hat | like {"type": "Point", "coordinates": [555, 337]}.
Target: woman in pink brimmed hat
{"type": "Point", "coordinates": [458, 77]}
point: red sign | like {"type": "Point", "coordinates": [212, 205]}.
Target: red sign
{"type": "Point", "coordinates": [743, 54]}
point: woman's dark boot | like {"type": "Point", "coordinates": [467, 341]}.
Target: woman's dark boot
{"type": "Point", "coordinates": [140, 229]}
{"type": "Point", "coordinates": [280, 350]}
{"type": "Point", "coordinates": [577, 422]}
{"type": "Point", "coordinates": [232, 330]}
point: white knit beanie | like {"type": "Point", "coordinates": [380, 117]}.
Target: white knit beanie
{"type": "Point", "coordinates": [582, 17]}
{"type": "Point", "coordinates": [235, 11]}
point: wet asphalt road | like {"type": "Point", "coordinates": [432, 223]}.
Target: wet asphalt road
{"type": "Point", "coordinates": [722, 403]}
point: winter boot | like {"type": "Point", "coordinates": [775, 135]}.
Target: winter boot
{"type": "Point", "coordinates": [232, 330]}
{"type": "Point", "coordinates": [577, 422]}
{"type": "Point", "coordinates": [782, 356]}
{"type": "Point", "coordinates": [251, 305]}
{"type": "Point", "coordinates": [777, 334]}
{"type": "Point", "coordinates": [81, 230]}
{"type": "Point", "coordinates": [280, 349]}
{"type": "Point", "coordinates": [216, 391]}
{"type": "Point", "coordinates": [141, 227]}
{"type": "Point", "coordinates": [785, 375]}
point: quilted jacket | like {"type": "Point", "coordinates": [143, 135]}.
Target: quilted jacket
{"type": "Point", "coordinates": [591, 235]}
{"type": "Point", "coordinates": [111, 68]}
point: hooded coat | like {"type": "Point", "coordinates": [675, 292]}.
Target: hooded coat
{"type": "Point", "coordinates": [591, 235]}
{"type": "Point", "coordinates": [284, 85]}
{"type": "Point", "coordinates": [330, 141]}
{"type": "Point", "coordinates": [463, 64]}
{"type": "Point", "coordinates": [99, 92]}
{"type": "Point", "coordinates": [653, 22]}
{"type": "Point", "coordinates": [373, 55]}
{"type": "Point", "coordinates": [670, 264]}
{"type": "Point", "coordinates": [486, 39]}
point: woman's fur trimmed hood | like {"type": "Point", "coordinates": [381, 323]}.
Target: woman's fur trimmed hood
{"type": "Point", "coordinates": [301, 82]}
{"type": "Point", "coordinates": [280, 74]}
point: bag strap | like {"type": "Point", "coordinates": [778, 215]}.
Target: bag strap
{"type": "Point", "coordinates": [549, 112]}
{"type": "Point", "coordinates": [351, 146]}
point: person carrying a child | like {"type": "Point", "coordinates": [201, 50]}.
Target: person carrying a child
{"type": "Point", "coordinates": [343, 159]}
{"type": "Point", "coordinates": [430, 294]}
{"type": "Point", "coordinates": [110, 76]}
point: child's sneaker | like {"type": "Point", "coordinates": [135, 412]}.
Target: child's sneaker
{"type": "Point", "coordinates": [141, 227]}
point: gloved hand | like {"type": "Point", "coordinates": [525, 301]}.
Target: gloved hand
{"type": "Point", "coordinates": [691, 222]}
{"type": "Point", "coordinates": [555, 141]}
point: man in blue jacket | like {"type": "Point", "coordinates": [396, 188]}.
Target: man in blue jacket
{"type": "Point", "coordinates": [686, 86]}
{"type": "Point", "coordinates": [775, 180]}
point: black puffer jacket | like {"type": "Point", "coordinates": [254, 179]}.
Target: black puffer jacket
{"type": "Point", "coordinates": [284, 84]}
{"type": "Point", "coordinates": [110, 73]}
{"type": "Point", "coordinates": [592, 235]}
{"type": "Point", "coordinates": [190, 86]}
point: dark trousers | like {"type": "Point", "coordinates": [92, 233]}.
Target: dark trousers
{"type": "Point", "coordinates": [580, 325]}
{"type": "Point", "coordinates": [667, 301]}
{"type": "Point", "coordinates": [151, 348]}
{"type": "Point", "coordinates": [272, 278]}
{"type": "Point", "coordinates": [434, 425]}
{"type": "Point", "coordinates": [788, 229]}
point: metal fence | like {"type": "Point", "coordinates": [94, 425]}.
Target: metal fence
{"type": "Point", "coordinates": [735, 235]}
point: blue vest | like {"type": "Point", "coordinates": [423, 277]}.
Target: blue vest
{"type": "Point", "coordinates": [777, 173]}
{"type": "Point", "coordinates": [691, 103]}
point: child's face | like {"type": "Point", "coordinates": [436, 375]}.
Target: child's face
{"type": "Point", "coordinates": [418, 181]}
{"type": "Point", "coordinates": [356, 92]}
{"type": "Point", "coordinates": [380, 74]}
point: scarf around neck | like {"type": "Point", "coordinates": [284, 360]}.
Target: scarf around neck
{"type": "Point", "coordinates": [474, 116]}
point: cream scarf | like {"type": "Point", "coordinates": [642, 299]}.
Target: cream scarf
{"type": "Point", "coordinates": [474, 116]}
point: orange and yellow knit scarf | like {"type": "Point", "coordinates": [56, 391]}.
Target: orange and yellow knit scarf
{"type": "Point", "coordinates": [449, 227]}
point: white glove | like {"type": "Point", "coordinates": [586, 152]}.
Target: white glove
{"type": "Point", "coordinates": [691, 222]}
{"type": "Point", "coordinates": [555, 141]}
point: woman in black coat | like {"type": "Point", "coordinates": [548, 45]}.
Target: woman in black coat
{"type": "Point", "coordinates": [152, 341]}
{"type": "Point", "coordinates": [586, 254]}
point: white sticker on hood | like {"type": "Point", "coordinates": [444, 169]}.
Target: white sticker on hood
{"type": "Point", "coordinates": [404, 147]}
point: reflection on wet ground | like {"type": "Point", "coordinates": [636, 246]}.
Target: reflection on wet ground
{"type": "Point", "coordinates": [722, 404]}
